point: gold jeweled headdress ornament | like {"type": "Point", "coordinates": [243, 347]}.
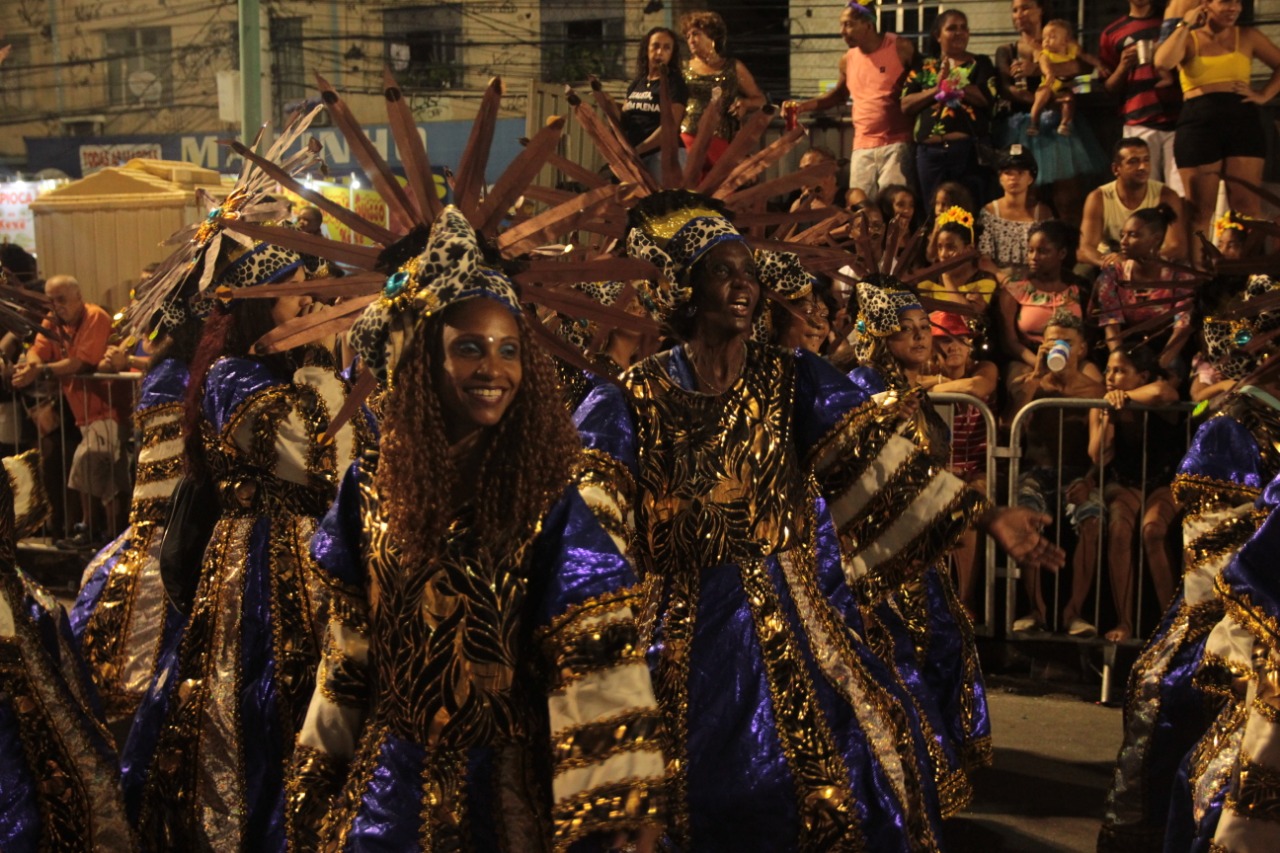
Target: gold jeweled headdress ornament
{"type": "Point", "coordinates": [1237, 339]}
{"type": "Point", "coordinates": [673, 230]}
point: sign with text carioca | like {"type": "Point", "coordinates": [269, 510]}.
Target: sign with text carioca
{"type": "Point", "coordinates": [95, 157]}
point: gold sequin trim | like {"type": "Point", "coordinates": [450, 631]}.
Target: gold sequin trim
{"type": "Point", "coordinates": [593, 743]}
{"type": "Point", "coordinates": [574, 654]}
{"type": "Point", "coordinates": [1241, 607]}
{"type": "Point", "coordinates": [592, 607]}
{"type": "Point", "coordinates": [314, 779]}
{"type": "Point", "coordinates": [346, 680]}
{"type": "Point", "coordinates": [881, 719]}
{"type": "Point", "coordinates": [828, 811]}
{"type": "Point", "coordinates": [337, 822]}
{"type": "Point", "coordinates": [163, 469]}
{"type": "Point", "coordinates": [626, 805]}
{"type": "Point", "coordinates": [154, 434]}
{"type": "Point", "coordinates": [1257, 796]}
{"type": "Point", "coordinates": [1197, 494]}
{"type": "Point", "coordinates": [927, 548]}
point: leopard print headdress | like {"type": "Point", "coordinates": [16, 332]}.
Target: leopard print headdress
{"type": "Point", "coordinates": [1224, 340]}
{"type": "Point", "coordinates": [263, 263]}
{"type": "Point", "coordinates": [449, 270]}
{"type": "Point", "coordinates": [880, 307]}
{"type": "Point", "coordinates": [673, 230]}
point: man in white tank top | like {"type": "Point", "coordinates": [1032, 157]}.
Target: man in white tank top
{"type": "Point", "coordinates": [1107, 207]}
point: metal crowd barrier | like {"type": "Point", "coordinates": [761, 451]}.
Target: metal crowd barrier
{"type": "Point", "coordinates": [18, 433]}
{"type": "Point", "coordinates": [984, 622]}
{"type": "Point", "coordinates": [1014, 452]}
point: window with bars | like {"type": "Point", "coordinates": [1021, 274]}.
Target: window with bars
{"type": "Point", "coordinates": [139, 63]}
{"type": "Point", "coordinates": [580, 39]}
{"type": "Point", "coordinates": [424, 46]}
{"type": "Point", "coordinates": [910, 18]}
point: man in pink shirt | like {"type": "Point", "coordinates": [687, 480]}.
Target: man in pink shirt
{"type": "Point", "coordinates": [872, 70]}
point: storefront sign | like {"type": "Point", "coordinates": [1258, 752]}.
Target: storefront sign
{"type": "Point", "coordinates": [95, 157]}
{"type": "Point", "coordinates": [445, 141]}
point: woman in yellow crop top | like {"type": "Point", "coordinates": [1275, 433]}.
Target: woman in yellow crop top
{"type": "Point", "coordinates": [1219, 130]}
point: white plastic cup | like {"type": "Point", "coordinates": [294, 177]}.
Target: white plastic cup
{"type": "Point", "coordinates": [1058, 356]}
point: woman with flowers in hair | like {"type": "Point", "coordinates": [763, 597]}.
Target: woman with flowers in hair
{"type": "Point", "coordinates": [205, 760]}
{"type": "Point", "coordinates": [483, 686]}
{"type": "Point", "coordinates": [1233, 238]}
{"type": "Point", "coordinates": [739, 464]}
{"type": "Point", "coordinates": [970, 283]}
{"type": "Point", "coordinates": [950, 98]}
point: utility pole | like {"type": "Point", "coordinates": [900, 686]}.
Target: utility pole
{"type": "Point", "coordinates": [250, 70]}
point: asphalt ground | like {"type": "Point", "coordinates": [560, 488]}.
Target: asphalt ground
{"type": "Point", "coordinates": [1053, 756]}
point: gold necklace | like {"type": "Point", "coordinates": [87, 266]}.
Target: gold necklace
{"type": "Point", "coordinates": [711, 387]}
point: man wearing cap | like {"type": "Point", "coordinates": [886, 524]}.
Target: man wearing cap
{"type": "Point", "coordinates": [873, 68]}
{"type": "Point", "coordinates": [1107, 207]}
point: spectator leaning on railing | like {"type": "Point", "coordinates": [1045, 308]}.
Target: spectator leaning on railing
{"type": "Point", "coordinates": [1120, 442]}
{"type": "Point", "coordinates": [959, 372]}
{"type": "Point", "coordinates": [97, 467]}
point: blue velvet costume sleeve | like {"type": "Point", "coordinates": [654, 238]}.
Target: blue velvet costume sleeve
{"type": "Point", "coordinates": [1250, 585]}
{"type": "Point", "coordinates": [868, 379]}
{"type": "Point", "coordinates": [336, 544]}
{"type": "Point", "coordinates": [585, 608]}
{"type": "Point", "coordinates": [165, 382]}
{"type": "Point", "coordinates": [605, 425]}
{"type": "Point", "coordinates": [583, 562]}
{"type": "Point", "coordinates": [230, 383]}
{"type": "Point", "coordinates": [1224, 450]}
{"type": "Point", "coordinates": [824, 396]}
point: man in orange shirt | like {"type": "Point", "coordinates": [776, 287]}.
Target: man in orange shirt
{"type": "Point", "coordinates": [98, 468]}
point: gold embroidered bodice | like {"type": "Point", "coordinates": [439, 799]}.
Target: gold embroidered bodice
{"type": "Point", "coordinates": [445, 639]}
{"type": "Point", "coordinates": [719, 476]}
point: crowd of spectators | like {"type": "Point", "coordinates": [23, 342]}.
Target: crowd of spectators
{"type": "Point", "coordinates": [1078, 287]}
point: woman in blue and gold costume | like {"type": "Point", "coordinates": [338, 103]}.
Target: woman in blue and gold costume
{"type": "Point", "coordinates": [59, 779]}
{"type": "Point", "coordinates": [1182, 707]}
{"type": "Point", "coordinates": [483, 686]}
{"type": "Point", "coordinates": [121, 616]}
{"type": "Point", "coordinates": [748, 473]}
{"type": "Point", "coordinates": [935, 652]}
{"type": "Point", "coordinates": [204, 764]}
{"type": "Point", "coordinates": [1238, 809]}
